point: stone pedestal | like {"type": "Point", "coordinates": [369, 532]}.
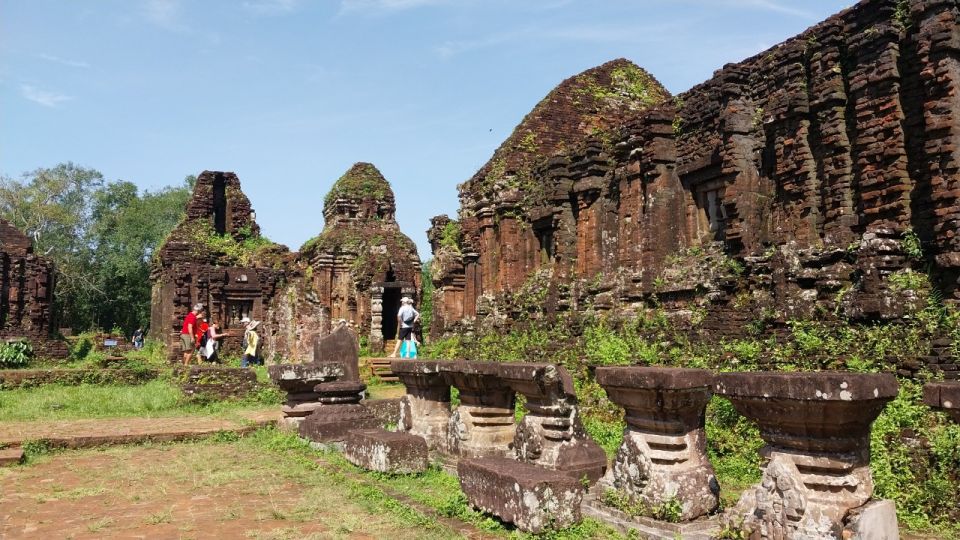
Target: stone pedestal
{"type": "Point", "coordinates": [339, 412]}
{"type": "Point", "coordinates": [817, 430]}
{"type": "Point", "coordinates": [298, 381]}
{"type": "Point", "coordinates": [944, 397]}
{"type": "Point", "coordinates": [551, 434]}
{"type": "Point", "coordinates": [530, 497]}
{"type": "Point", "coordinates": [483, 425]}
{"type": "Point", "coordinates": [425, 409]}
{"type": "Point", "coordinates": [663, 456]}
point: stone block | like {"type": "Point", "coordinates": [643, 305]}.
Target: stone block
{"type": "Point", "coordinates": [386, 451]}
{"type": "Point", "coordinates": [11, 456]}
{"type": "Point", "coordinates": [943, 396]}
{"type": "Point", "coordinates": [331, 423]}
{"type": "Point", "coordinates": [532, 498]}
{"type": "Point", "coordinates": [340, 346]}
{"type": "Point", "coordinates": [301, 378]}
{"type": "Point", "coordinates": [215, 382]}
{"type": "Point", "coordinates": [876, 520]}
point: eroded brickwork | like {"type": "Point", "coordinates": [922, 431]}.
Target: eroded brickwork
{"type": "Point", "coordinates": [795, 184]}
{"type": "Point", "coordinates": [26, 294]}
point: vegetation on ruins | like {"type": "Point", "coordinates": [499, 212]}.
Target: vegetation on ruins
{"type": "Point", "coordinates": [100, 234]}
{"type": "Point", "coordinates": [362, 181]}
{"type": "Point", "coordinates": [915, 453]}
{"type": "Point", "coordinates": [243, 248]}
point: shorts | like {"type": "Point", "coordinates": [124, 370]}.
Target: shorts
{"type": "Point", "coordinates": [405, 333]}
{"type": "Point", "coordinates": [186, 343]}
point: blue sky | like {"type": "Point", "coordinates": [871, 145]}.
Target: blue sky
{"type": "Point", "coordinates": [290, 93]}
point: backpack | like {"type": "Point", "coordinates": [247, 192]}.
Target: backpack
{"type": "Point", "coordinates": [203, 339]}
{"type": "Point", "coordinates": [408, 316]}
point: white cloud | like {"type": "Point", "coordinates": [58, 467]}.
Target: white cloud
{"type": "Point", "coordinates": [270, 7]}
{"type": "Point", "coordinates": [386, 5]}
{"type": "Point", "coordinates": [63, 61]}
{"type": "Point", "coordinates": [43, 97]}
{"type": "Point", "coordinates": [165, 14]}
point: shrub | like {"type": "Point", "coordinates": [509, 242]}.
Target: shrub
{"type": "Point", "coordinates": [15, 354]}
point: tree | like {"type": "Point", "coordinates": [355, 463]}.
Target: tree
{"type": "Point", "coordinates": [101, 236]}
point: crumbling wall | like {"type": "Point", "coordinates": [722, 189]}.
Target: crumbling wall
{"type": "Point", "coordinates": [805, 182]}
{"type": "Point", "coordinates": [27, 283]}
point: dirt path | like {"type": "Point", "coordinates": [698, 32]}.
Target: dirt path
{"type": "Point", "coordinates": [198, 490]}
{"type": "Point", "coordinates": [95, 432]}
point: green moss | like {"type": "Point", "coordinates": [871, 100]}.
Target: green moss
{"type": "Point", "coordinates": [362, 181]}
{"type": "Point", "coordinates": [243, 248]}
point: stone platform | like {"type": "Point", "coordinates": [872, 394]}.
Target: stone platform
{"type": "Point", "coordinates": [386, 451]}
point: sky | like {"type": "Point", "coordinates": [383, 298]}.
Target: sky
{"type": "Point", "coordinates": [290, 93]}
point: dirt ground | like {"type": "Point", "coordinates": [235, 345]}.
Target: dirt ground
{"type": "Point", "coordinates": [196, 490]}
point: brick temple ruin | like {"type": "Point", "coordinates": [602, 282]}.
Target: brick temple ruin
{"type": "Point", "coordinates": [204, 260]}
{"type": "Point", "coordinates": [799, 183]}
{"type": "Point", "coordinates": [361, 265]}
{"type": "Point", "coordinates": [357, 269]}
{"type": "Point", "coordinates": [27, 283]}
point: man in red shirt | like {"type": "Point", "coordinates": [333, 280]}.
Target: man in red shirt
{"type": "Point", "coordinates": [186, 333]}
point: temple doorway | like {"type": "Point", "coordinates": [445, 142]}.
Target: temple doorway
{"type": "Point", "coordinates": [391, 305]}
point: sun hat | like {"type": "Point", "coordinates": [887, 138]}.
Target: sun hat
{"type": "Point", "coordinates": [254, 324]}
{"type": "Point", "coordinates": [406, 300]}
{"type": "Point", "coordinates": [245, 320]}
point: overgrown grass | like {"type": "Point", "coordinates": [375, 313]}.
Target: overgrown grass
{"type": "Point", "coordinates": [152, 399]}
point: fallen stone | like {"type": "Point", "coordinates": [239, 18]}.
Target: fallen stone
{"type": "Point", "coordinates": [876, 520]}
{"type": "Point", "coordinates": [386, 451]}
{"type": "Point", "coordinates": [11, 456]}
{"type": "Point", "coordinates": [532, 498]}
{"type": "Point", "coordinates": [300, 409]}
{"type": "Point", "coordinates": [332, 423]}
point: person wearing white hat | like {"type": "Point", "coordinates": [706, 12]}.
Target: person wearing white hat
{"type": "Point", "coordinates": [407, 317]}
{"type": "Point", "coordinates": [253, 341]}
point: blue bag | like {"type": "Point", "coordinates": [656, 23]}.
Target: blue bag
{"type": "Point", "coordinates": [408, 349]}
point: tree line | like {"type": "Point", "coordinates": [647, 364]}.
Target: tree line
{"type": "Point", "coordinates": [100, 234]}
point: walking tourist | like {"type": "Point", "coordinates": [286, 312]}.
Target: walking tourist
{"type": "Point", "coordinates": [200, 337]}
{"type": "Point", "coordinates": [250, 352]}
{"type": "Point", "coordinates": [212, 345]}
{"type": "Point", "coordinates": [187, 343]}
{"type": "Point", "coordinates": [137, 339]}
{"type": "Point", "coordinates": [407, 317]}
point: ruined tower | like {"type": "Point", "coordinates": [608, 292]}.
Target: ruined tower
{"type": "Point", "coordinates": [216, 257]}
{"type": "Point", "coordinates": [816, 179]}
{"type": "Point", "coordinates": [361, 264]}
{"type": "Point", "coordinates": [26, 294]}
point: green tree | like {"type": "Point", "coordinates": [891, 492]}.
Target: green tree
{"type": "Point", "coordinates": [101, 235]}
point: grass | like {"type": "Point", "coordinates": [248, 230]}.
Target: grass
{"type": "Point", "coordinates": [152, 399]}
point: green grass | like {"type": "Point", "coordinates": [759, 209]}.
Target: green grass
{"type": "Point", "coordinates": [434, 489]}
{"type": "Point", "coordinates": [152, 399]}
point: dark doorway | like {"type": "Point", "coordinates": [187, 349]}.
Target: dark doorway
{"type": "Point", "coordinates": [391, 305]}
{"type": "Point", "coordinates": [219, 204]}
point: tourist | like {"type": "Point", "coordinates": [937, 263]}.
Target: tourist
{"type": "Point", "coordinates": [407, 317]}
{"type": "Point", "coordinates": [200, 338]}
{"type": "Point", "coordinates": [212, 344]}
{"type": "Point", "coordinates": [137, 339]}
{"type": "Point", "coordinates": [187, 343]}
{"type": "Point", "coordinates": [250, 355]}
